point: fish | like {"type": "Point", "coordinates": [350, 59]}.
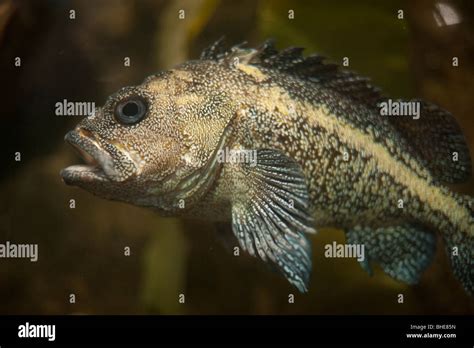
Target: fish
{"type": "Point", "coordinates": [277, 145]}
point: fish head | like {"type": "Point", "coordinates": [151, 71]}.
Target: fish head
{"type": "Point", "coordinates": [152, 144]}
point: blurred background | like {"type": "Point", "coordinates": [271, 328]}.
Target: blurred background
{"type": "Point", "coordinates": [81, 250]}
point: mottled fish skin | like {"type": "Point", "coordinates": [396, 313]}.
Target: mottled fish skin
{"type": "Point", "coordinates": [356, 165]}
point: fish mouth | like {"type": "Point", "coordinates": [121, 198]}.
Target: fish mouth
{"type": "Point", "coordinates": [99, 164]}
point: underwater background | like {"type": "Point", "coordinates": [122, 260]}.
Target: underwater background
{"type": "Point", "coordinates": [81, 250]}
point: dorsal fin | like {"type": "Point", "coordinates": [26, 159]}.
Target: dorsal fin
{"type": "Point", "coordinates": [214, 51]}
{"type": "Point", "coordinates": [291, 61]}
{"type": "Point", "coordinates": [265, 51]}
{"type": "Point", "coordinates": [438, 138]}
{"type": "Point", "coordinates": [435, 136]}
{"type": "Point", "coordinates": [284, 60]}
{"type": "Point", "coordinates": [354, 86]}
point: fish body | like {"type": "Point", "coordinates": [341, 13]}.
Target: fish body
{"type": "Point", "coordinates": [309, 147]}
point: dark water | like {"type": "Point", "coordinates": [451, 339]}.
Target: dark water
{"type": "Point", "coordinates": [83, 251]}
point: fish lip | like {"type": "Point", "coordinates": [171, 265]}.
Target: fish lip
{"type": "Point", "coordinates": [99, 166]}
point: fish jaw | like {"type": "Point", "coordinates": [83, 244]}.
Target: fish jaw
{"type": "Point", "coordinates": [101, 163]}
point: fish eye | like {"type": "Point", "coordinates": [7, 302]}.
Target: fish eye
{"type": "Point", "coordinates": [131, 111]}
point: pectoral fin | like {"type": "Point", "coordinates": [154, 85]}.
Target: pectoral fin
{"type": "Point", "coordinates": [403, 252]}
{"type": "Point", "coordinates": [270, 215]}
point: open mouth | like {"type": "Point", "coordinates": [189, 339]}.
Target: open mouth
{"type": "Point", "coordinates": [98, 162]}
